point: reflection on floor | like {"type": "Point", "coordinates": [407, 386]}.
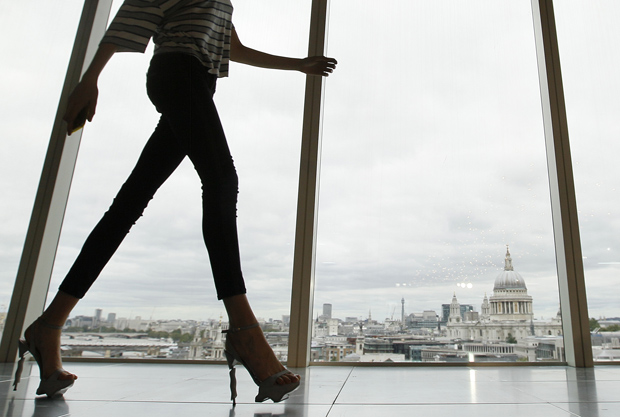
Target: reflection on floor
{"type": "Point", "coordinates": [121, 390]}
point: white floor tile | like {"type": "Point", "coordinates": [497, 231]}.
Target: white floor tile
{"type": "Point", "coordinates": [461, 410]}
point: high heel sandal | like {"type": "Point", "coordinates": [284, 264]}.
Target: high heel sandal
{"type": "Point", "coordinates": [268, 388]}
{"type": "Point", "coordinates": [50, 386]}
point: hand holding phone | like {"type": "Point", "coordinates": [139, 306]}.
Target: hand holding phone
{"type": "Point", "coordinates": [80, 120]}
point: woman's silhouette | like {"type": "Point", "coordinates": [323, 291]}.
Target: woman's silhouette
{"type": "Point", "coordinates": [194, 42]}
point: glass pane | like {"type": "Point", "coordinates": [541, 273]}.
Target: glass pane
{"type": "Point", "coordinates": [34, 64]}
{"type": "Point", "coordinates": [160, 278]}
{"type": "Point", "coordinates": [434, 161]}
{"type": "Point", "coordinates": [588, 36]}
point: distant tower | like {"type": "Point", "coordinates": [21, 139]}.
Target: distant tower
{"type": "Point", "coordinates": [97, 320]}
{"type": "Point", "coordinates": [327, 311]}
{"type": "Point", "coordinates": [217, 351]}
{"type": "Point", "coordinates": [359, 344]}
{"type": "Point", "coordinates": [402, 312]}
{"type": "Point", "coordinates": [455, 311]}
{"type": "Point", "coordinates": [508, 261]}
{"type": "Point", "coordinates": [195, 346]}
{"type": "Point", "coordinates": [486, 307]}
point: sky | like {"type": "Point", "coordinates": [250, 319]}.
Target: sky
{"type": "Point", "coordinates": [433, 159]}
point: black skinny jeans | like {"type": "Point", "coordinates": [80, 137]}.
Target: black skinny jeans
{"type": "Point", "coordinates": [182, 91]}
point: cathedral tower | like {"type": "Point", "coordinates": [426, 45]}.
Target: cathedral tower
{"type": "Point", "coordinates": [510, 300]}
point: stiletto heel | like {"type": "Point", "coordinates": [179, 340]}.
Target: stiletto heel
{"type": "Point", "coordinates": [233, 378]}
{"type": "Point", "coordinates": [268, 388]}
{"type": "Point", "coordinates": [50, 386]}
{"type": "Point", "coordinates": [23, 348]}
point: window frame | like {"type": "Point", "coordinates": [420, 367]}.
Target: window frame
{"type": "Point", "coordinates": [34, 273]}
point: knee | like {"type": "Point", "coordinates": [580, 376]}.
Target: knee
{"type": "Point", "coordinates": [129, 206]}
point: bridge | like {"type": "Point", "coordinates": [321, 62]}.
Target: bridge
{"type": "Point", "coordinates": [112, 345]}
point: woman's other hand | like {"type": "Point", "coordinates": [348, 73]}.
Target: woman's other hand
{"type": "Point", "coordinates": [318, 65]}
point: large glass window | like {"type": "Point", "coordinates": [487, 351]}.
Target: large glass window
{"type": "Point", "coordinates": [159, 282]}
{"type": "Point", "coordinates": [34, 63]}
{"type": "Point", "coordinates": [588, 35]}
{"type": "Point", "coordinates": [433, 161]}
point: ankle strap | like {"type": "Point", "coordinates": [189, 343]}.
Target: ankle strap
{"type": "Point", "coordinates": [44, 323]}
{"type": "Point", "coordinates": [239, 329]}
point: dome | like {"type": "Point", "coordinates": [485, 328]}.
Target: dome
{"type": "Point", "coordinates": [509, 278]}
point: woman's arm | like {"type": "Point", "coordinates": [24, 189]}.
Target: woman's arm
{"type": "Point", "coordinates": [315, 65]}
{"type": "Point", "coordinates": [83, 100]}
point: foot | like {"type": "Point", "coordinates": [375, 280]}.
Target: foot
{"type": "Point", "coordinates": [47, 341]}
{"type": "Point", "coordinates": [253, 348]}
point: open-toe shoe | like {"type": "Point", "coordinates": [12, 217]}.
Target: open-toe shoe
{"type": "Point", "coordinates": [51, 386]}
{"type": "Point", "coordinates": [267, 388]}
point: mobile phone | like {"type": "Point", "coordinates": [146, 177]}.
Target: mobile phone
{"type": "Point", "coordinates": [80, 120]}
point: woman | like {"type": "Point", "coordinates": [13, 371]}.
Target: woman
{"type": "Point", "coordinates": [194, 42]}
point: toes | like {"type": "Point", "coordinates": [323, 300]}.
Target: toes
{"type": "Point", "coordinates": [288, 379]}
{"type": "Point", "coordinates": [67, 376]}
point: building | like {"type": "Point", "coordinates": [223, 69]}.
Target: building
{"type": "Point", "coordinates": [427, 319]}
{"type": "Point", "coordinates": [327, 311]}
{"type": "Point", "coordinates": [445, 312]}
{"type": "Point", "coordinates": [506, 316]}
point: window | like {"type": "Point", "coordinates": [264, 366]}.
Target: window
{"type": "Point", "coordinates": [30, 97]}
{"type": "Point", "coordinates": [433, 161]}
{"type": "Point", "coordinates": [421, 188]}
{"type": "Point", "coordinates": [587, 36]}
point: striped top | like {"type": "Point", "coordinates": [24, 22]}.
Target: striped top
{"type": "Point", "coordinates": [201, 28]}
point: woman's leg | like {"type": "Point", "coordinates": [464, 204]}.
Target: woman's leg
{"type": "Point", "coordinates": [158, 160]}
{"type": "Point", "coordinates": [182, 91]}
{"type": "Point", "coordinates": [160, 157]}
{"type": "Point", "coordinates": [47, 339]}
{"type": "Point", "coordinates": [251, 344]}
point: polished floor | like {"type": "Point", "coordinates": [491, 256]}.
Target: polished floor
{"type": "Point", "coordinates": [120, 390]}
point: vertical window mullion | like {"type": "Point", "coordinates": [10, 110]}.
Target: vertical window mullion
{"type": "Point", "coordinates": [302, 295]}
{"type": "Point", "coordinates": [35, 268]}
{"type": "Point", "coordinates": [577, 341]}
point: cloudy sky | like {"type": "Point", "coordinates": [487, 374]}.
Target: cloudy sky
{"type": "Point", "coordinates": [433, 158]}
